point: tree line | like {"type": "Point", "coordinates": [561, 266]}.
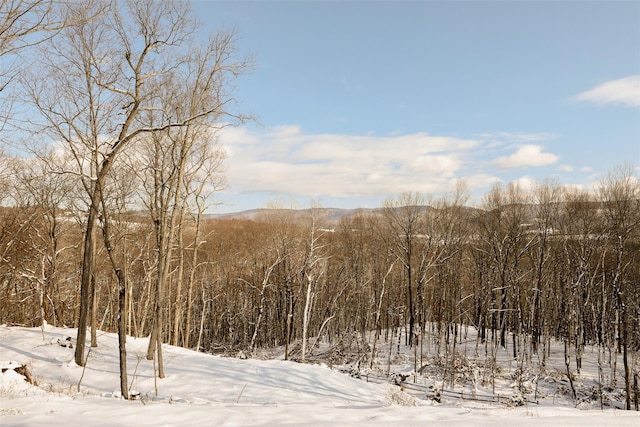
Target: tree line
{"type": "Point", "coordinates": [523, 269]}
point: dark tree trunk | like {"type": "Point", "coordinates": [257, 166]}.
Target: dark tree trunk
{"type": "Point", "coordinates": [122, 332]}
{"type": "Point", "coordinates": [85, 281]}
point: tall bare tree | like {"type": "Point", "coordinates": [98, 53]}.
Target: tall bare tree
{"type": "Point", "coordinates": [620, 196]}
{"type": "Point", "coordinates": [47, 194]}
{"type": "Point", "coordinates": [313, 270]}
{"type": "Point", "coordinates": [178, 153]}
{"type": "Point", "coordinates": [405, 218]}
{"type": "Point", "coordinates": [208, 179]}
{"type": "Point", "coordinates": [106, 86]}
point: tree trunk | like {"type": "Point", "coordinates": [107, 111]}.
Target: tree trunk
{"type": "Point", "coordinates": [85, 281]}
{"type": "Point", "coordinates": [155, 340]}
{"type": "Point", "coordinates": [289, 300]}
{"type": "Point", "coordinates": [122, 333]}
{"type": "Point", "coordinates": [191, 280]}
{"type": "Point", "coordinates": [94, 313]}
{"type": "Point", "coordinates": [177, 303]}
{"type": "Point", "coordinates": [305, 317]}
{"type": "Point", "coordinates": [625, 360]}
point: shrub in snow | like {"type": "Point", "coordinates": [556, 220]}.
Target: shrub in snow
{"type": "Point", "coordinates": [65, 343]}
{"type": "Point", "coordinates": [465, 370]}
{"type": "Point", "coordinates": [19, 369]}
{"type": "Point", "coordinates": [523, 380]}
{"type": "Point", "coordinates": [397, 378]}
{"type": "Point", "coordinates": [351, 371]}
{"type": "Point", "coordinates": [396, 396]}
{"type": "Point", "coordinates": [436, 393]}
{"type": "Point", "coordinates": [12, 383]}
{"type": "Point", "coordinates": [517, 399]}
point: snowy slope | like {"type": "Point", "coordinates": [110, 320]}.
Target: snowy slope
{"type": "Point", "coordinates": [202, 389]}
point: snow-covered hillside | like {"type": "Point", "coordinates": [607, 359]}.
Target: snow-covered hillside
{"type": "Point", "coordinates": [201, 389]}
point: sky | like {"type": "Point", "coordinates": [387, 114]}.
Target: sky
{"type": "Point", "coordinates": [359, 101]}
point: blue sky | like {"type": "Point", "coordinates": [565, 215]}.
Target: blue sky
{"type": "Point", "coordinates": [357, 101]}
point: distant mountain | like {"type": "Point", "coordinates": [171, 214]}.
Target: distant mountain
{"type": "Point", "coordinates": [330, 215]}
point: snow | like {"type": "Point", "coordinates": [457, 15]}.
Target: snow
{"type": "Point", "coordinates": [202, 389]}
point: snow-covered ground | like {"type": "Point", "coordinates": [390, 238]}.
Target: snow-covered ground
{"type": "Point", "coordinates": [205, 390]}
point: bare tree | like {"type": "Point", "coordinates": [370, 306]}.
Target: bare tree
{"type": "Point", "coordinates": [620, 195]}
{"type": "Point", "coordinates": [547, 198]}
{"type": "Point", "coordinates": [313, 270]}
{"type": "Point", "coordinates": [207, 180]}
{"type": "Point", "coordinates": [23, 24]}
{"type": "Point", "coordinates": [122, 294]}
{"type": "Point", "coordinates": [20, 19]}
{"type": "Point", "coordinates": [505, 241]}
{"type": "Point", "coordinates": [48, 194]}
{"type": "Point", "coordinates": [283, 233]}
{"type": "Point", "coordinates": [20, 23]}
{"type": "Point", "coordinates": [405, 218]}
{"type": "Point", "coordinates": [176, 155]}
{"type": "Point", "coordinates": [443, 265]}
{"type": "Point", "coordinates": [106, 87]}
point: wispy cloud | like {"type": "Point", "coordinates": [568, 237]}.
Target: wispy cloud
{"type": "Point", "coordinates": [526, 183]}
{"type": "Point", "coordinates": [625, 91]}
{"type": "Point", "coordinates": [526, 155]}
{"type": "Point", "coordinates": [517, 137]}
{"type": "Point", "coordinates": [285, 160]}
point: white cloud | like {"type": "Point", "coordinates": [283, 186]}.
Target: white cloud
{"type": "Point", "coordinates": [284, 160]}
{"type": "Point", "coordinates": [481, 180]}
{"type": "Point", "coordinates": [526, 155]}
{"type": "Point", "coordinates": [565, 168]}
{"type": "Point", "coordinates": [516, 137]}
{"type": "Point", "coordinates": [625, 91]}
{"type": "Point", "coordinates": [526, 183]}
{"type": "Point", "coordinates": [573, 187]}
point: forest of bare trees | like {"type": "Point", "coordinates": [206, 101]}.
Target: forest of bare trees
{"type": "Point", "coordinates": [525, 268]}
{"type": "Point", "coordinates": [107, 229]}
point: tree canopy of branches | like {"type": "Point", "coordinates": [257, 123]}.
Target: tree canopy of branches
{"type": "Point", "coordinates": [526, 268]}
{"type": "Point", "coordinates": [121, 73]}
